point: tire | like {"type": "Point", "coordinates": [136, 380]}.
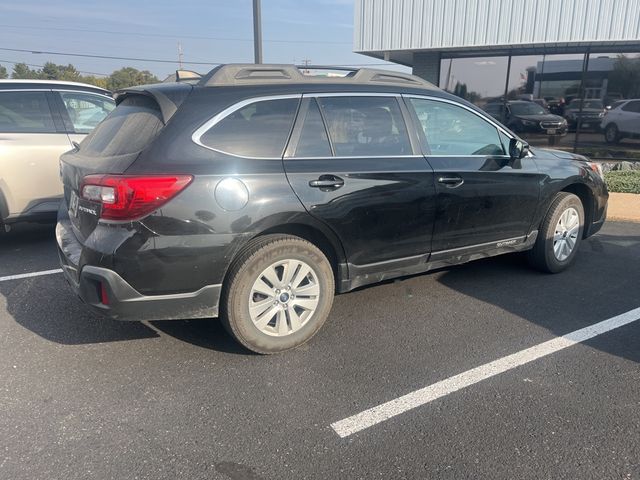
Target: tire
{"type": "Point", "coordinates": [611, 133]}
{"type": "Point", "coordinates": [303, 304]}
{"type": "Point", "coordinates": [555, 249]}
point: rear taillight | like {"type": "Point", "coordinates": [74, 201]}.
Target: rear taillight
{"type": "Point", "coordinates": [128, 197]}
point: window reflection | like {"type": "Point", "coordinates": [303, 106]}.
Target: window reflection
{"type": "Point", "coordinates": [563, 101]}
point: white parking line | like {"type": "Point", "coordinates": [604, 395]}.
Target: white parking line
{"type": "Point", "coordinates": [32, 274]}
{"type": "Point", "coordinates": [385, 411]}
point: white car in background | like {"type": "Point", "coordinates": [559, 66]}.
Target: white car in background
{"type": "Point", "coordinates": [40, 120]}
{"type": "Point", "coordinates": [623, 120]}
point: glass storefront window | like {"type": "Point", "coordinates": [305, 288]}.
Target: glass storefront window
{"type": "Point", "coordinates": [552, 102]}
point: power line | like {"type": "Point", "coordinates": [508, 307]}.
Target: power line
{"type": "Point", "coordinates": [155, 60]}
{"type": "Point", "coordinates": [161, 35]}
{"type": "Point", "coordinates": [108, 57]}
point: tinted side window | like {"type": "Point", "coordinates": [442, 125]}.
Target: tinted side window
{"type": "Point", "coordinates": [453, 130]}
{"type": "Point", "coordinates": [632, 107]}
{"type": "Point", "coordinates": [25, 112]}
{"type": "Point", "coordinates": [86, 110]}
{"type": "Point", "coordinates": [365, 126]}
{"type": "Point", "coordinates": [313, 140]}
{"type": "Point", "coordinates": [260, 129]}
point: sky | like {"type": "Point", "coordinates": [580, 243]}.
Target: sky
{"type": "Point", "coordinates": [215, 31]}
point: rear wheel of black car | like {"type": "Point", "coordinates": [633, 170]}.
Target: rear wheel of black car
{"type": "Point", "coordinates": [278, 293]}
{"type": "Point", "coordinates": [560, 234]}
{"type": "Point", "coordinates": [611, 133]}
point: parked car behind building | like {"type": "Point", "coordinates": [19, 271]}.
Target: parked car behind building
{"type": "Point", "coordinates": [623, 120]}
{"type": "Point", "coordinates": [527, 117]}
{"type": "Point", "coordinates": [591, 115]}
{"type": "Point", "coordinates": [40, 120]}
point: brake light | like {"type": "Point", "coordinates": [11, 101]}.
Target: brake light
{"type": "Point", "coordinates": [104, 296]}
{"type": "Point", "coordinates": [128, 197]}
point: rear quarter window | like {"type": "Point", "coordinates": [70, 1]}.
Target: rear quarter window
{"type": "Point", "coordinates": [128, 129]}
{"type": "Point", "coordinates": [260, 129]}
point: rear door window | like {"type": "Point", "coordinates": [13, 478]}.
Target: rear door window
{"type": "Point", "coordinates": [25, 112]}
{"type": "Point", "coordinates": [313, 141]}
{"type": "Point", "coordinates": [260, 129]}
{"type": "Point", "coordinates": [128, 129]}
{"type": "Point", "coordinates": [365, 126]}
{"type": "Point", "coordinates": [86, 110]}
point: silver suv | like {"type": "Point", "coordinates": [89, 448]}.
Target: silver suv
{"type": "Point", "coordinates": [40, 120]}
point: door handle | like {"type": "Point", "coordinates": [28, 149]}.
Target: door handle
{"type": "Point", "coordinates": [451, 181]}
{"type": "Point", "coordinates": [327, 181]}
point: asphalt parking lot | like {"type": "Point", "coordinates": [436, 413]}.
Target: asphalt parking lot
{"type": "Point", "coordinates": [86, 397]}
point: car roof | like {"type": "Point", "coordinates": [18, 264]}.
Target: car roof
{"type": "Point", "coordinates": [36, 83]}
{"type": "Point", "coordinates": [244, 74]}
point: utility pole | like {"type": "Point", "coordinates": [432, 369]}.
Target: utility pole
{"type": "Point", "coordinates": [180, 56]}
{"type": "Point", "coordinates": [257, 32]}
{"type": "Point", "coordinates": [306, 63]}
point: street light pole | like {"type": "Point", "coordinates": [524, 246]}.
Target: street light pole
{"type": "Point", "coordinates": [257, 32]}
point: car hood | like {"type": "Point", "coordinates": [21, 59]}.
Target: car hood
{"type": "Point", "coordinates": [585, 110]}
{"type": "Point", "coordinates": [557, 154]}
{"type": "Point", "coordinates": [540, 118]}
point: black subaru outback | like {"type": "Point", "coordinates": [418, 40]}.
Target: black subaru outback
{"type": "Point", "coordinates": [255, 193]}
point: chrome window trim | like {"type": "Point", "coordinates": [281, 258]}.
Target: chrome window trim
{"type": "Point", "coordinates": [205, 127]}
{"type": "Point", "coordinates": [2, 90]}
{"type": "Point", "coordinates": [355, 157]}
{"type": "Point", "coordinates": [200, 131]}
{"type": "Point", "coordinates": [86, 92]}
{"type": "Point", "coordinates": [351, 94]}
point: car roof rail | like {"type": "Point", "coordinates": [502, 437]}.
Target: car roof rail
{"type": "Point", "coordinates": [252, 74]}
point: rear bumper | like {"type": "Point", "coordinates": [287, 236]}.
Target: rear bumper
{"type": "Point", "coordinates": [106, 292]}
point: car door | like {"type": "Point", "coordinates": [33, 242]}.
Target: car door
{"type": "Point", "coordinates": [355, 166]}
{"type": "Point", "coordinates": [483, 196]}
{"type": "Point", "coordinates": [32, 139]}
{"type": "Point", "coordinates": [82, 111]}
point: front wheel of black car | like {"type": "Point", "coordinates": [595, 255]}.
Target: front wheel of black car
{"type": "Point", "coordinates": [278, 294]}
{"type": "Point", "coordinates": [560, 234]}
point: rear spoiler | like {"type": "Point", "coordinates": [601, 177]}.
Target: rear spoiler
{"type": "Point", "coordinates": [168, 97]}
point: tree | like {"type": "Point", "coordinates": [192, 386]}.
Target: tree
{"type": "Point", "coordinates": [123, 78]}
{"type": "Point", "coordinates": [93, 80]}
{"type": "Point", "coordinates": [625, 77]}
{"type": "Point", "coordinates": [69, 73]}
{"type": "Point", "coordinates": [50, 71]}
{"type": "Point", "coordinates": [461, 90]}
{"type": "Point", "coordinates": [22, 71]}
{"type": "Point", "coordinates": [128, 77]}
{"type": "Point", "coordinates": [3, 72]}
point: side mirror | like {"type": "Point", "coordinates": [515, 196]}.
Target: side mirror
{"type": "Point", "coordinates": [518, 149]}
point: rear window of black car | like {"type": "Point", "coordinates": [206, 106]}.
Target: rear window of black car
{"type": "Point", "coordinates": [128, 129]}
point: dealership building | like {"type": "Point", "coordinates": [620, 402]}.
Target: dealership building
{"type": "Point", "coordinates": [551, 50]}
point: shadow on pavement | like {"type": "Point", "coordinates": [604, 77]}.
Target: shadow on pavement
{"type": "Point", "coordinates": [206, 333]}
{"type": "Point", "coordinates": [604, 282]}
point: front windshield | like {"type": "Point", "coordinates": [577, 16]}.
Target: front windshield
{"type": "Point", "coordinates": [527, 108]}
